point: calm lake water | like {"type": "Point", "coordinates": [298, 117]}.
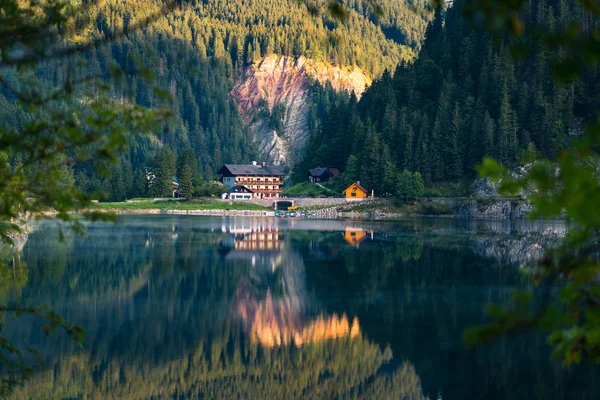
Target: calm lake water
{"type": "Point", "coordinates": [197, 307]}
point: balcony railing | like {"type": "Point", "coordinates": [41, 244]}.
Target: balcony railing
{"type": "Point", "coordinates": [253, 182]}
{"type": "Point", "coordinates": [267, 190]}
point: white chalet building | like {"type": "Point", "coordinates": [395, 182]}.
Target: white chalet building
{"type": "Point", "coordinates": [264, 181]}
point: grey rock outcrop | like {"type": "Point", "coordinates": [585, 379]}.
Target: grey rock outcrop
{"type": "Point", "coordinates": [485, 187]}
{"type": "Point", "coordinates": [493, 209]}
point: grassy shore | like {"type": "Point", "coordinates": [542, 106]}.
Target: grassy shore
{"type": "Point", "coordinates": [197, 204]}
{"type": "Point", "coordinates": [310, 190]}
{"type": "Point", "coordinates": [390, 206]}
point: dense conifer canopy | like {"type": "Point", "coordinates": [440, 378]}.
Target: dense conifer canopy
{"type": "Point", "coordinates": [196, 53]}
{"type": "Point", "coordinates": [464, 97]}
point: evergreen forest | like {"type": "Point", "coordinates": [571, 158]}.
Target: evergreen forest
{"type": "Point", "coordinates": [445, 94]}
{"type": "Point", "coordinates": [467, 95]}
{"type": "Point", "coordinates": [193, 56]}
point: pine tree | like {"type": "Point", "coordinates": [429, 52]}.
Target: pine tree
{"type": "Point", "coordinates": [140, 184]}
{"type": "Point", "coordinates": [489, 133]}
{"type": "Point", "coordinates": [186, 170]}
{"type": "Point", "coordinates": [164, 173]}
{"type": "Point", "coordinates": [186, 185]}
{"type": "Point", "coordinates": [390, 177]}
{"type": "Point", "coordinates": [507, 131]}
{"type": "Point", "coordinates": [408, 159]}
{"type": "Point", "coordinates": [440, 143]}
{"type": "Point", "coordinates": [351, 173]}
{"type": "Point", "coordinates": [453, 151]}
{"type": "Point", "coordinates": [371, 174]}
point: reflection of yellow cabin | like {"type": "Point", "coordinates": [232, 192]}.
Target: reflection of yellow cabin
{"type": "Point", "coordinates": [354, 236]}
{"type": "Point", "coordinates": [355, 192]}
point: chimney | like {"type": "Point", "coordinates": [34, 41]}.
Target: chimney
{"type": "Point", "coordinates": [358, 182]}
{"type": "Point", "coordinates": [253, 162]}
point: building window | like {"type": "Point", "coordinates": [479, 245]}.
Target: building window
{"type": "Point", "coordinates": [353, 194]}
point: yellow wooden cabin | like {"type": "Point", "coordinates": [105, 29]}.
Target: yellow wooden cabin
{"type": "Point", "coordinates": [355, 192]}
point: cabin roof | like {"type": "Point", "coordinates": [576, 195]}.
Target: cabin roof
{"type": "Point", "coordinates": [258, 170]}
{"type": "Point", "coordinates": [335, 171]}
{"type": "Point", "coordinates": [358, 185]}
{"type": "Point", "coordinates": [317, 171]}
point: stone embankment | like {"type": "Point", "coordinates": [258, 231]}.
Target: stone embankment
{"type": "Point", "coordinates": [378, 209]}
{"type": "Point", "coordinates": [298, 201]}
{"type": "Point", "coordinates": [489, 207]}
{"type": "Point", "coordinates": [467, 208]}
{"type": "Point", "coordinates": [246, 213]}
{"type": "Point", "coordinates": [329, 212]}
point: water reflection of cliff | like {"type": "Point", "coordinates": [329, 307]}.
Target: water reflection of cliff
{"type": "Point", "coordinates": [272, 300]}
{"type": "Point", "coordinates": [273, 308]}
{"type": "Point", "coordinates": [212, 321]}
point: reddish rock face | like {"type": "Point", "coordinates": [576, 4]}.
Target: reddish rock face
{"type": "Point", "coordinates": [282, 83]}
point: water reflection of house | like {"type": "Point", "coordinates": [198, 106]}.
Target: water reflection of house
{"type": "Point", "coordinates": [355, 236]}
{"type": "Point", "coordinates": [260, 244]}
{"type": "Point", "coordinates": [251, 238]}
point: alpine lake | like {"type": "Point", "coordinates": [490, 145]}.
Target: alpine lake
{"type": "Point", "coordinates": [179, 307]}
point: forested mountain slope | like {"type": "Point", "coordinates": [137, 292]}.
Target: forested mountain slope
{"type": "Point", "coordinates": [242, 31]}
{"type": "Point", "coordinates": [464, 97]}
{"type": "Point", "coordinates": [200, 51]}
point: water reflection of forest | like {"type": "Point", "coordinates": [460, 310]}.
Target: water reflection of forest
{"type": "Point", "coordinates": [183, 307]}
{"type": "Point", "coordinates": [175, 312]}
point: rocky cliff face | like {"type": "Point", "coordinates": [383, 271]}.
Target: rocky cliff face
{"type": "Point", "coordinates": [274, 99]}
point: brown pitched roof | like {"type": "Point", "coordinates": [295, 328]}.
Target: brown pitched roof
{"type": "Point", "coordinates": [335, 171]}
